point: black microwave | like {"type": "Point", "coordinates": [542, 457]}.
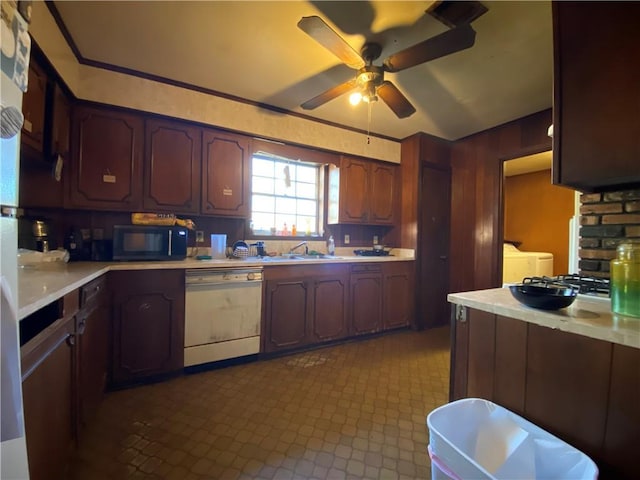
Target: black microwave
{"type": "Point", "coordinates": [149, 242]}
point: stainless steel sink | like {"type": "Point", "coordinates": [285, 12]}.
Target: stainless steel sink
{"type": "Point", "coordinates": [293, 257]}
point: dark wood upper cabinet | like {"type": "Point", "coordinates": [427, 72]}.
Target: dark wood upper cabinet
{"type": "Point", "coordinates": [381, 196]}
{"type": "Point", "coordinates": [61, 124]}
{"type": "Point", "coordinates": [33, 107]}
{"type": "Point", "coordinates": [354, 191]}
{"type": "Point", "coordinates": [106, 161]}
{"type": "Point", "coordinates": [361, 192]}
{"type": "Point", "coordinates": [596, 105]}
{"type": "Point", "coordinates": [172, 167]}
{"type": "Point", "coordinates": [225, 174]}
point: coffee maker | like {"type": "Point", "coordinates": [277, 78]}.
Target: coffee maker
{"type": "Point", "coordinates": [40, 232]}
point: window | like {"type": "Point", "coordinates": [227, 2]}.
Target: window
{"type": "Point", "coordinates": [285, 196]}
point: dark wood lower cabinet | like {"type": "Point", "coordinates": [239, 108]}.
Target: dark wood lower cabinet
{"type": "Point", "coordinates": [397, 302]}
{"type": "Point", "coordinates": [148, 324]}
{"type": "Point", "coordinates": [329, 307]}
{"type": "Point", "coordinates": [314, 304]}
{"type": "Point", "coordinates": [47, 397]}
{"type": "Point", "coordinates": [583, 390]}
{"type": "Point", "coordinates": [366, 298]}
{"type": "Point", "coordinates": [93, 327]}
{"type": "Point", "coordinates": [304, 305]}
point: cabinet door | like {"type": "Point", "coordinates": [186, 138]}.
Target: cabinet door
{"type": "Point", "coordinates": [61, 126]}
{"type": "Point", "coordinates": [596, 142]}
{"type": "Point", "coordinates": [382, 194]}
{"type": "Point", "coordinates": [33, 108]}
{"type": "Point", "coordinates": [48, 407]}
{"type": "Point", "coordinates": [172, 167]}
{"type": "Point", "coordinates": [106, 169]}
{"type": "Point", "coordinates": [623, 416]}
{"type": "Point", "coordinates": [354, 190]}
{"type": "Point", "coordinates": [148, 324]}
{"type": "Point", "coordinates": [398, 295]}
{"type": "Point", "coordinates": [93, 360]}
{"type": "Point", "coordinates": [286, 314]}
{"type": "Point", "coordinates": [567, 385]}
{"type": "Point", "coordinates": [225, 174]}
{"type": "Point", "coordinates": [366, 302]}
{"type": "Point", "coordinates": [329, 317]}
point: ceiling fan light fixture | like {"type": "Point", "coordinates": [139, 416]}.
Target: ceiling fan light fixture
{"type": "Point", "coordinates": [355, 98]}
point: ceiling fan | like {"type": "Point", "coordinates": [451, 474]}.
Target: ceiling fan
{"type": "Point", "coordinates": [369, 79]}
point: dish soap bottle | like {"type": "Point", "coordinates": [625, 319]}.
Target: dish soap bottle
{"type": "Point", "coordinates": [331, 246]}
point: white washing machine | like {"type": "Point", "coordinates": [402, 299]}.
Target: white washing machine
{"type": "Point", "coordinates": [517, 264]}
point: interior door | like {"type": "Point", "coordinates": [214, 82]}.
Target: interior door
{"type": "Point", "coordinates": [435, 210]}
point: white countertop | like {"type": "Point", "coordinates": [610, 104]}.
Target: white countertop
{"type": "Point", "coordinates": [38, 286]}
{"type": "Point", "coordinates": [588, 316]}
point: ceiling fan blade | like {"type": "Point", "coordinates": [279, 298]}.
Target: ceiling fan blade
{"type": "Point", "coordinates": [322, 33]}
{"type": "Point", "coordinates": [329, 95]}
{"type": "Point", "coordinates": [451, 41]}
{"type": "Point", "coordinates": [395, 99]}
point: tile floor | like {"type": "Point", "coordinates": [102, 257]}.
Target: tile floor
{"type": "Point", "coordinates": [356, 411]}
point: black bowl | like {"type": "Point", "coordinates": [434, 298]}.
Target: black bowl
{"type": "Point", "coordinates": [544, 297]}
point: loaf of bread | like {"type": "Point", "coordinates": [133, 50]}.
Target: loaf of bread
{"type": "Point", "coordinates": [167, 219]}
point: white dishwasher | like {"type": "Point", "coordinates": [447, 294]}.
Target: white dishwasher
{"type": "Point", "coordinates": [222, 314]}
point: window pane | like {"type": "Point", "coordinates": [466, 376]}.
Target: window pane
{"type": "Point", "coordinates": [307, 207]}
{"type": "Point", "coordinates": [306, 190]}
{"type": "Point", "coordinates": [281, 219]}
{"type": "Point", "coordinates": [262, 167]}
{"type": "Point", "coordinates": [275, 204]}
{"type": "Point", "coordinates": [263, 185]}
{"type": "Point", "coordinates": [263, 203]}
{"type": "Point", "coordinates": [307, 174]}
{"type": "Point", "coordinates": [263, 221]}
{"type": "Point", "coordinates": [286, 205]}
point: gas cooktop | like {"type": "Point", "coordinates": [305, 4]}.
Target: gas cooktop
{"type": "Point", "coordinates": [585, 284]}
{"type": "Point", "coordinates": [372, 253]}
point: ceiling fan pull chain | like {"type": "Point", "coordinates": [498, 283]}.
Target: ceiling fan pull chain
{"type": "Point", "coordinates": [368, 123]}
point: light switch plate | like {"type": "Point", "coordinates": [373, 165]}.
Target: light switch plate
{"type": "Point", "coordinates": [375, 239]}
{"type": "Point", "coordinates": [199, 236]}
{"type": "Point", "coordinates": [347, 239]}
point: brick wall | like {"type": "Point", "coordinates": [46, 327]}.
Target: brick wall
{"type": "Point", "coordinates": [606, 220]}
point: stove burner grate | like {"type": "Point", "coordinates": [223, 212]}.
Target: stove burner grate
{"type": "Point", "coordinates": [585, 284]}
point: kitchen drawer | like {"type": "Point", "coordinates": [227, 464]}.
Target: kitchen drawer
{"type": "Point", "coordinates": [93, 292]}
{"type": "Point", "coordinates": [367, 267]}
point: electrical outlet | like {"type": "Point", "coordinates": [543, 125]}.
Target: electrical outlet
{"type": "Point", "coordinates": [375, 239]}
{"type": "Point", "coordinates": [347, 239]}
{"type": "Point", "coordinates": [199, 236]}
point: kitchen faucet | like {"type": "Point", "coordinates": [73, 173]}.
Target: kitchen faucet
{"type": "Point", "coordinates": [306, 248]}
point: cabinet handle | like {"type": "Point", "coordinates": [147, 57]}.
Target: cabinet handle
{"type": "Point", "coordinates": [443, 257]}
{"type": "Point", "coordinates": [81, 327]}
{"type": "Point", "coordinates": [144, 306]}
{"type": "Point", "coordinates": [71, 340]}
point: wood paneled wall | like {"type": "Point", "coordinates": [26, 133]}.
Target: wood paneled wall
{"type": "Point", "coordinates": [476, 203]}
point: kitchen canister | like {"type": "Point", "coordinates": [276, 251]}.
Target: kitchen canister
{"type": "Point", "coordinates": [625, 280]}
{"type": "Point", "coordinates": [218, 246]}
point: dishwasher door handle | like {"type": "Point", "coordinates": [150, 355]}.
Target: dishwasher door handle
{"type": "Point", "coordinates": [245, 283]}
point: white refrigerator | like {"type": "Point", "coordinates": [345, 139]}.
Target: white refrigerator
{"type": "Point", "coordinates": [15, 46]}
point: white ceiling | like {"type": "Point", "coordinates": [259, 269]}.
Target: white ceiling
{"type": "Point", "coordinates": [254, 51]}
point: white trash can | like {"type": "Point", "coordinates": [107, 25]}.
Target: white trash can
{"type": "Point", "coordinates": [474, 439]}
